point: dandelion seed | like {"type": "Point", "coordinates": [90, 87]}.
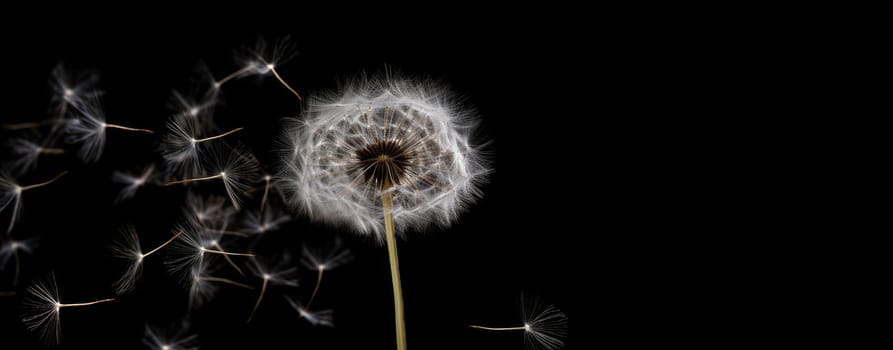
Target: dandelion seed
{"type": "Point", "coordinates": [207, 210]}
{"type": "Point", "coordinates": [187, 254]}
{"type": "Point", "coordinates": [202, 286]}
{"type": "Point", "coordinates": [384, 156]}
{"type": "Point", "coordinates": [89, 130]}
{"type": "Point", "coordinates": [176, 338]}
{"type": "Point", "coordinates": [72, 89]}
{"type": "Point", "coordinates": [324, 259]}
{"type": "Point", "coordinates": [27, 153]}
{"type": "Point", "coordinates": [200, 109]}
{"type": "Point", "coordinates": [235, 167]}
{"type": "Point", "coordinates": [11, 194]}
{"type": "Point", "coordinates": [263, 59]}
{"type": "Point", "coordinates": [180, 147]}
{"type": "Point", "coordinates": [316, 318]}
{"type": "Point", "coordinates": [260, 223]}
{"type": "Point", "coordinates": [545, 327]}
{"type": "Point", "coordinates": [280, 273]}
{"type": "Point", "coordinates": [13, 249]}
{"type": "Point", "coordinates": [41, 307]}
{"type": "Point", "coordinates": [128, 248]}
{"type": "Point", "coordinates": [132, 182]}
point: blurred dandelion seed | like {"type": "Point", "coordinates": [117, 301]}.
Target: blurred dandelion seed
{"type": "Point", "coordinates": [263, 59]}
{"type": "Point", "coordinates": [11, 193]}
{"type": "Point", "coordinates": [316, 318]}
{"type": "Point", "coordinates": [27, 153]}
{"type": "Point", "coordinates": [12, 249]}
{"type": "Point", "coordinates": [545, 327]}
{"type": "Point", "coordinates": [324, 259]}
{"type": "Point", "coordinates": [177, 338]}
{"type": "Point", "coordinates": [132, 182]}
{"type": "Point", "coordinates": [128, 248]}
{"type": "Point", "coordinates": [41, 307]}
{"type": "Point", "coordinates": [279, 274]}
{"type": "Point", "coordinates": [384, 153]}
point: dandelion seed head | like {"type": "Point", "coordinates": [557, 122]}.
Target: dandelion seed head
{"type": "Point", "coordinates": [40, 309]}
{"type": "Point", "coordinates": [545, 326]}
{"type": "Point", "coordinates": [72, 88]}
{"type": "Point", "coordinates": [132, 182]}
{"type": "Point", "coordinates": [88, 129]}
{"type": "Point", "coordinates": [409, 138]}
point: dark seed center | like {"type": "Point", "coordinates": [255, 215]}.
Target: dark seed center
{"type": "Point", "coordinates": [384, 162]}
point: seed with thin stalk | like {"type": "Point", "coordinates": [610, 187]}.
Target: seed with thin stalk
{"type": "Point", "coordinates": [202, 284]}
{"type": "Point", "coordinates": [188, 253]}
{"type": "Point", "coordinates": [322, 259]}
{"type": "Point", "coordinates": [132, 182]}
{"type": "Point", "coordinates": [263, 222]}
{"type": "Point", "coordinates": [11, 195]}
{"type": "Point", "coordinates": [177, 337]}
{"type": "Point", "coordinates": [41, 307]}
{"type": "Point", "coordinates": [280, 273]}
{"type": "Point", "coordinates": [200, 109]}
{"type": "Point", "coordinates": [26, 154]}
{"type": "Point", "coordinates": [262, 60]}
{"type": "Point", "coordinates": [89, 128]}
{"type": "Point", "coordinates": [545, 327]}
{"type": "Point", "coordinates": [128, 248]}
{"type": "Point", "coordinates": [13, 249]}
{"type": "Point", "coordinates": [316, 318]}
{"type": "Point", "coordinates": [209, 211]}
{"type": "Point", "coordinates": [181, 146]}
{"type": "Point", "coordinates": [72, 88]}
{"type": "Point", "coordinates": [384, 156]}
{"type": "Point", "coordinates": [235, 167]}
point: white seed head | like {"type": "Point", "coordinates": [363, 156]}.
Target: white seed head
{"type": "Point", "coordinates": [409, 138]}
{"type": "Point", "coordinates": [89, 130]}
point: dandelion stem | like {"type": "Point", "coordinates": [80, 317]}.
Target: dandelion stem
{"type": "Point", "coordinates": [500, 329]}
{"type": "Point", "coordinates": [263, 289]}
{"type": "Point", "coordinates": [163, 244]}
{"type": "Point", "coordinates": [218, 136]}
{"type": "Point", "coordinates": [227, 281]}
{"type": "Point", "coordinates": [20, 126]}
{"type": "Point", "coordinates": [226, 253]}
{"type": "Point", "coordinates": [316, 288]}
{"type": "Point", "coordinates": [230, 261]}
{"type": "Point", "coordinates": [232, 76]}
{"type": "Point", "coordinates": [88, 303]}
{"type": "Point", "coordinates": [25, 188]}
{"type": "Point", "coordinates": [15, 279]}
{"type": "Point", "coordinates": [391, 237]}
{"type": "Point", "coordinates": [128, 129]}
{"type": "Point", "coordinates": [218, 176]}
{"type": "Point", "coordinates": [52, 150]}
{"type": "Point", "coordinates": [276, 74]}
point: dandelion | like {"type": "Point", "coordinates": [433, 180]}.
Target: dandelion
{"type": "Point", "coordinates": [132, 182]}
{"type": "Point", "coordinates": [89, 130]}
{"type": "Point", "coordinates": [27, 153]}
{"type": "Point", "coordinates": [278, 274]}
{"type": "Point", "coordinates": [12, 249]}
{"type": "Point", "coordinates": [41, 307]}
{"type": "Point", "coordinates": [545, 327]}
{"type": "Point", "coordinates": [11, 194]}
{"type": "Point", "coordinates": [180, 147]}
{"type": "Point", "coordinates": [384, 156]}
{"type": "Point", "coordinates": [236, 168]}
{"type": "Point", "coordinates": [324, 259]}
{"type": "Point", "coordinates": [177, 338]}
{"type": "Point", "coordinates": [201, 284]}
{"type": "Point", "coordinates": [128, 248]}
{"type": "Point", "coordinates": [316, 318]}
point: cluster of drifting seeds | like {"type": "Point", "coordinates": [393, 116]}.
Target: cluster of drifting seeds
{"type": "Point", "coordinates": [381, 157]}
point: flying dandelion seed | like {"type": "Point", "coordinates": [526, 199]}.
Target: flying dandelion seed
{"type": "Point", "coordinates": [200, 110]}
{"type": "Point", "coordinates": [27, 153]}
{"type": "Point", "coordinates": [263, 59]}
{"type": "Point", "coordinates": [383, 156]}
{"type": "Point", "coordinates": [270, 220]}
{"type": "Point", "coordinates": [280, 273]}
{"type": "Point", "coordinates": [207, 210]}
{"type": "Point", "coordinates": [132, 182]}
{"type": "Point", "coordinates": [14, 249]}
{"type": "Point", "coordinates": [187, 254]}
{"type": "Point", "coordinates": [176, 338]}
{"type": "Point", "coordinates": [41, 307]}
{"type": "Point", "coordinates": [89, 130]}
{"type": "Point", "coordinates": [72, 89]}
{"type": "Point", "coordinates": [316, 318]}
{"type": "Point", "coordinates": [11, 194]}
{"type": "Point", "coordinates": [128, 248]}
{"type": "Point", "coordinates": [324, 259]}
{"type": "Point", "coordinates": [545, 327]}
{"type": "Point", "coordinates": [180, 147]}
{"type": "Point", "coordinates": [202, 284]}
{"type": "Point", "coordinates": [235, 167]}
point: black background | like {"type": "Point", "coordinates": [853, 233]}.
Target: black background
{"type": "Point", "coordinates": [543, 226]}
